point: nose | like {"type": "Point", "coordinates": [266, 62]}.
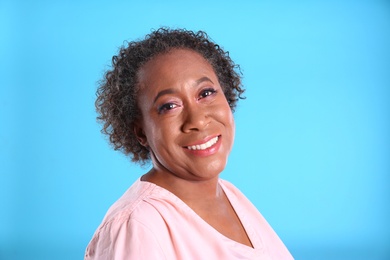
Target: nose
{"type": "Point", "coordinates": [195, 118]}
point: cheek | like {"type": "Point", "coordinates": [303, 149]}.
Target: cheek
{"type": "Point", "coordinates": [230, 124]}
{"type": "Point", "coordinates": [151, 130]}
{"type": "Point", "coordinates": [154, 134]}
{"type": "Point", "coordinates": [225, 117]}
{"type": "Point", "coordinates": [159, 134]}
{"type": "Point", "coordinates": [232, 131]}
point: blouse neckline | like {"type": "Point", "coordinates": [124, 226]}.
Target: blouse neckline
{"type": "Point", "coordinates": [254, 239]}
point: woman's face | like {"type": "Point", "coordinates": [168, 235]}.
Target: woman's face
{"type": "Point", "coordinates": [186, 121]}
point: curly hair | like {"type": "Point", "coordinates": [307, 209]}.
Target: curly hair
{"type": "Point", "coordinates": [117, 92]}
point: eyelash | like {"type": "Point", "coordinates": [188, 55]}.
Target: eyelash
{"type": "Point", "coordinates": [210, 91]}
{"type": "Point", "coordinates": [203, 94]}
{"type": "Point", "coordinates": [166, 107]}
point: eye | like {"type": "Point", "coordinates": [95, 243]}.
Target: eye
{"type": "Point", "coordinates": [166, 107]}
{"type": "Point", "coordinates": [207, 92]}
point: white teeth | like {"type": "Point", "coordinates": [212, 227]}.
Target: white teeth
{"type": "Point", "coordinates": [204, 146]}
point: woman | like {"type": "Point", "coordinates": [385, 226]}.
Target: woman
{"type": "Point", "coordinates": [169, 99]}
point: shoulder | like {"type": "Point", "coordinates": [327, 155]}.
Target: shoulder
{"type": "Point", "coordinates": [139, 204]}
{"type": "Point", "coordinates": [130, 218]}
{"type": "Point", "coordinates": [133, 198]}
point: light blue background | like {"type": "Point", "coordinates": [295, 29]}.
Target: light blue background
{"type": "Point", "coordinates": [313, 136]}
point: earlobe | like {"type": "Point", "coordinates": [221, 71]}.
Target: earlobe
{"type": "Point", "coordinates": [140, 134]}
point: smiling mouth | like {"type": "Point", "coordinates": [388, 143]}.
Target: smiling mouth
{"type": "Point", "coordinates": [204, 146]}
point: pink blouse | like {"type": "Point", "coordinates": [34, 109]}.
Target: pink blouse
{"type": "Point", "coordinates": [149, 222]}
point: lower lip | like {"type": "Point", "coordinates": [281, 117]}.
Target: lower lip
{"type": "Point", "coordinates": [206, 152]}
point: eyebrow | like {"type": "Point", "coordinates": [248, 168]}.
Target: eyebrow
{"type": "Point", "coordinates": [172, 91]}
{"type": "Point", "coordinates": [203, 79]}
{"type": "Point", "coordinates": [164, 92]}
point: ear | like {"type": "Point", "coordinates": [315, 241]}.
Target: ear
{"type": "Point", "coordinates": [140, 134]}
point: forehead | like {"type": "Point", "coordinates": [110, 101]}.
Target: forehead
{"type": "Point", "coordinates": [175, 65]}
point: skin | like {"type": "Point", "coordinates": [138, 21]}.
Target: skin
{"type": "Point", "coordinates": [182, 104]}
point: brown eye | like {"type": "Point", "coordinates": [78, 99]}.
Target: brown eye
{"type": "Point", "coordinates": [166, 107]}
{"type": "Point", "coordinates": [207, 92]}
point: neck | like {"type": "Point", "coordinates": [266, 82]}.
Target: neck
{"type": "Point", "coordinates": [188, 190]}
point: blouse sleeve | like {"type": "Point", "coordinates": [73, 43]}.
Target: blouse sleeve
{"type": "Point", "coordinates": [129, 240]}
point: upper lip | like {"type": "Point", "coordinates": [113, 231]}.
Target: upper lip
{"type": "Point", "coordinates": [203, 141]}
